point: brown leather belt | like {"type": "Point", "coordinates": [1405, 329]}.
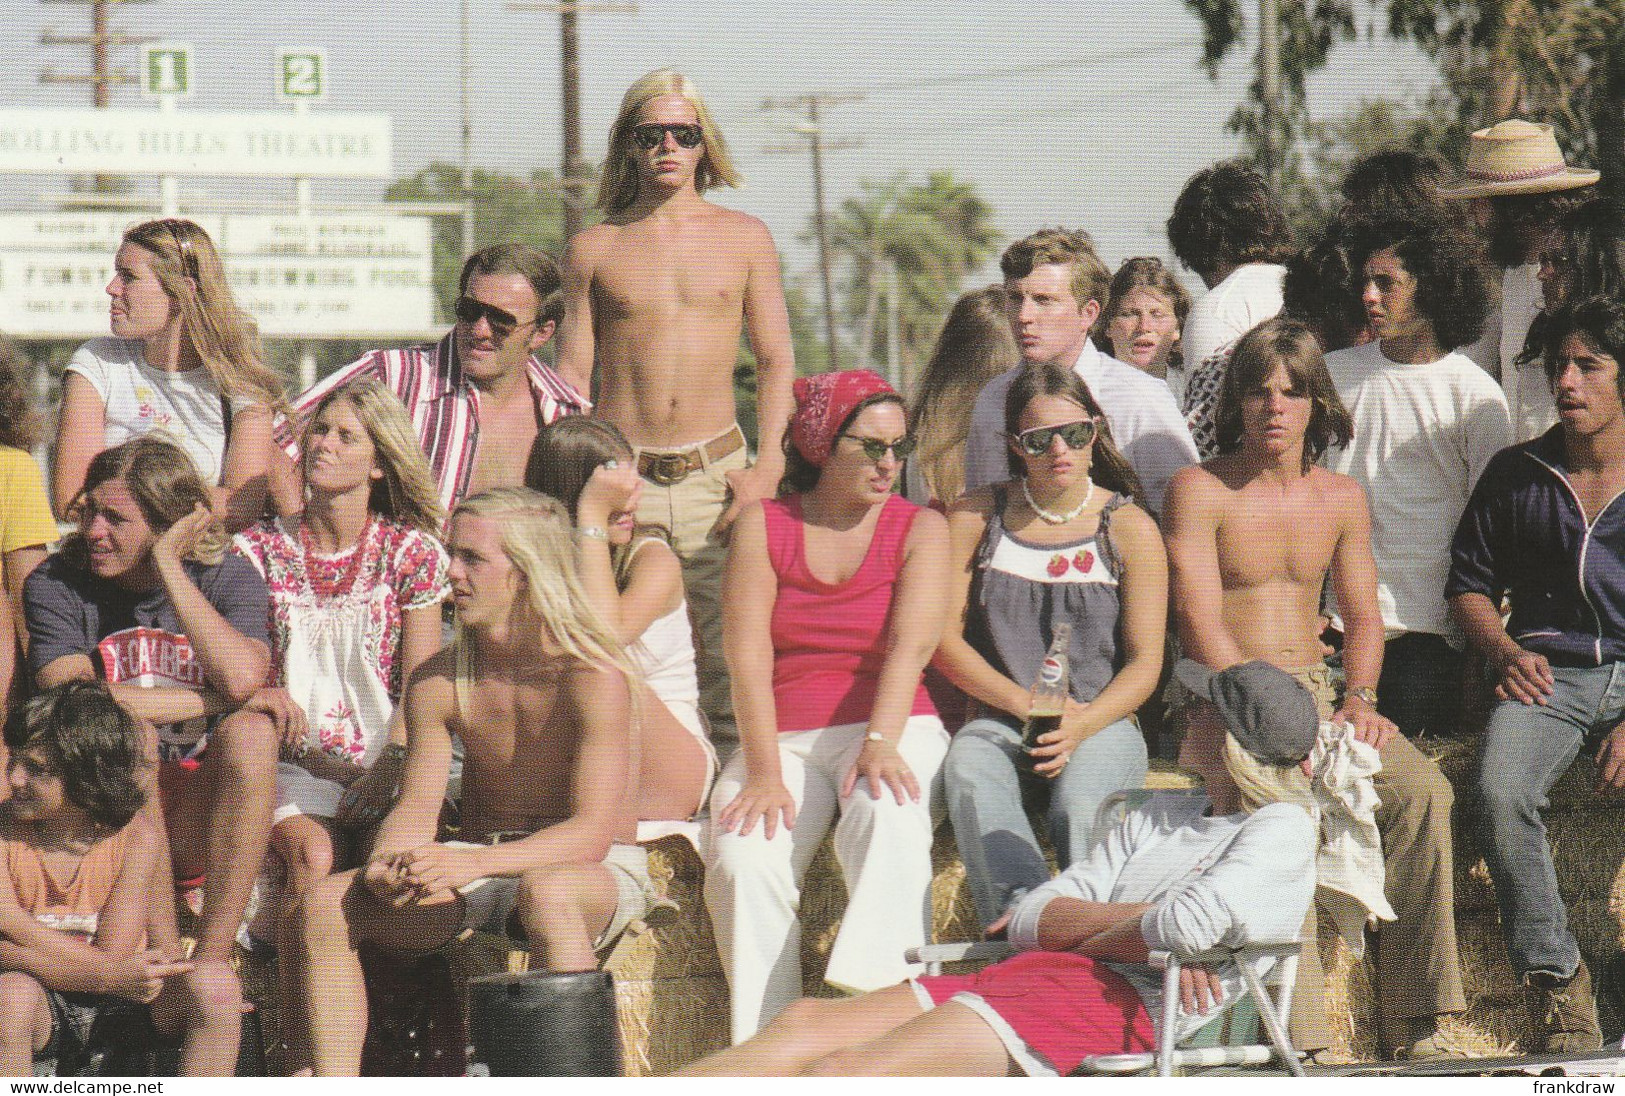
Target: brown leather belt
{"type": "Point", "coordinates": [669, 468]}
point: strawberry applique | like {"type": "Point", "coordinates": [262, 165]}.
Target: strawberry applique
{"type": "Point", "coordinates": [1084, 560]}
{"type": "Point", "coordinates": [1057, 566]}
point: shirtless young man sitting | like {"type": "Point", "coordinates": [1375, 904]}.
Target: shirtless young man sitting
{"type": "Point", "coordinates": [1252, 536]}
{"type": "Point", "coordinates": [535, 685]}
{"type": "Point", "coordinates": [656, 297]}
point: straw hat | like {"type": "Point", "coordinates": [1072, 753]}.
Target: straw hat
{"type": "Point", "coordinates": [1516, 157]}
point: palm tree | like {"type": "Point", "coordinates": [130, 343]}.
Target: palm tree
{"type": "Point", "coordinates": [904, 251]}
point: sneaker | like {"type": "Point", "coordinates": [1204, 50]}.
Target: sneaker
{"type": "Point", "coordinates": [1563, 1012]}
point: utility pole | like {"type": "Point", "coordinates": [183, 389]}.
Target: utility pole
{"type": "Point", "coordinates": [1269, 76]}
{"type": "Point", "coordinates": [102, 75]}
{"type": "Point", "coordinates": [101, 39]}
{"type": "Point", "coordinates": [573, 169]}
{"type": "Point", "coordinates": [467, 144]}
{"type": "Point", "coordinates": [812, 129]}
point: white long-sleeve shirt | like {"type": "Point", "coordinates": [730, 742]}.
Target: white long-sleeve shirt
{"type": "Point", "coordinates": [1232, 881]}
{"type": "Point", "coordinates": [1146, 424]}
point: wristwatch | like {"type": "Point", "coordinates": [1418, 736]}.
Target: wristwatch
{"type": "Point", "coordinates": [1365, 693]}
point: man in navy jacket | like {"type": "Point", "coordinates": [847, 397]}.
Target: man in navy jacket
{"type": "Point", "coordinates": [1545, 527]}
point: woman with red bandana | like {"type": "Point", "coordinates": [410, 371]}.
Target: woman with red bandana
{"type": "Point", "coordinates": [1061, 543]}
{"type": "Point", "coordinates": [833, 602]}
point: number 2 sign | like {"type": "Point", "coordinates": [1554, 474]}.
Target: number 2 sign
{"type": "Point", "coordinates": [301, 75]}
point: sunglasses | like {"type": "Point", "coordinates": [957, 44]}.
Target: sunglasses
{"type": "Point", "coordinates": [650, 134]}
{"type": "Point", "coordinates": [1036, 442]}
{"type": "Point", "coordinates": [469, 310]}
{"type": "Point", "coordinates": [876, 450]}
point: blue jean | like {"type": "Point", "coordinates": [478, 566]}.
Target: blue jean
{"type": "Point", "coordinates": [1527, 749]}
{"type": "Point", "coordinates": [1420, 688]}
{"type": "Point", "coordinates": [985, 776]}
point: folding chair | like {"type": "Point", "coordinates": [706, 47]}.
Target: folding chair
{"type": "Point", "coordinates": [1230, 1040]}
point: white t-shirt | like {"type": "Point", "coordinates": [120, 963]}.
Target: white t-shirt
{"type": "Point", "coordinates": [1248, 295]}
{"type": "Point", "coordinates": [1422, 435]}
{"type": "Point", "coordinates": [138, 399]}
{"type": "Point", "coordinates": [1529, 396]}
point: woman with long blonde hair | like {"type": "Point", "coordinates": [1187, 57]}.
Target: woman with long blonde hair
{"type": "Point", "coordinates": [356, 583]}
{"type": "Point", "coordinates": [975, 346]}
{"type": "Point", "coordinates": [182, 359]}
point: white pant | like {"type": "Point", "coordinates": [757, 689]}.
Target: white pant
{"type": "Point", "coordinates": [753, 884]}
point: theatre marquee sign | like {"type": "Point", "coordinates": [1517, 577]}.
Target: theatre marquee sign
{"type": "Point", "coordinates": [325, 144]}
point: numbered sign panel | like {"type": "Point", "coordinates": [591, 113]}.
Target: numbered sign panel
{"type": "Point", "coordinates": [166, 69]}
{"type": "Point", "coordinates": [301, 75]}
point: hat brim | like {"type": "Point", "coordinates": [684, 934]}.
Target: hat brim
{"type": "Point", "coordinates": [1195, 677]}
{"type": "Point", "coordinates": [1572, 178]}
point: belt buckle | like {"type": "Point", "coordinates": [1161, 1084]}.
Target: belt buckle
{"type": "Point", "coordinates": [668, 469]}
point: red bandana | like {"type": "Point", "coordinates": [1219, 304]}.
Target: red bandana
{"type": "Point", "coordinates": [823, 402]}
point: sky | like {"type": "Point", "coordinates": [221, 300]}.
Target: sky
{"type": "Point", "coordinates": [1083, 114]}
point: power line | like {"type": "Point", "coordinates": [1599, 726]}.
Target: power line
{"type": "Point", "coordinates": [977, 76]}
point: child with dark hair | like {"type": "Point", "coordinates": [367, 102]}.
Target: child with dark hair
{"type": "Point", "coordinates": [75, 863]}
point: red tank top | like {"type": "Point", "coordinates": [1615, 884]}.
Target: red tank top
{"type": "Point", "coordinates": [829, 641]}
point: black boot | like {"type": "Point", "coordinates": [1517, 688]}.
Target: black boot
{"type": "Point", "coordinates": [545, 1025]}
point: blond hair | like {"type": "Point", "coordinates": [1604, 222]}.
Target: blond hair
{"type": "Point", "coordinates": [618, 186]}
{"type": "Point", "coordinates": [1260, 783]}
{"type": "Point", "coordinates": [539, 538]}
{"type": "Point", "coordinates": [224, 337]}
{"type": "Point", "coordinates": [406, 491]}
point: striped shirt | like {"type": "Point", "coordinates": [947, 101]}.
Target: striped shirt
{"type": "Point", "coordinates": [443, 405]}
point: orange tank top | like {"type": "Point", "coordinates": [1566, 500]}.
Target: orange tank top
{"type": "Point", "coordinates": [74, 905]}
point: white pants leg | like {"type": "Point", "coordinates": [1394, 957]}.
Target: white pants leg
{"type": "Point", "coordinates": [753, 885]}
{"type": "Point", "coordinates": [884, 848]}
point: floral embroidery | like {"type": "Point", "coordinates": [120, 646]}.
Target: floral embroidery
{"type": "Point", "coordinates": [393, 569]}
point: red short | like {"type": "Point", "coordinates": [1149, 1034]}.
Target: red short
{"type": "Point", "coordinates": [1066, 1007]}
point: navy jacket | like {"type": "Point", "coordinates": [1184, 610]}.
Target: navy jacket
{"type": "Point", "coordinates": [1524, 535]}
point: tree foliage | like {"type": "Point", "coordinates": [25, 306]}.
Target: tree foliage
{"type": "Point", "coordinates": [904, 250]}
{"type": "Point", "coordinates": [507, 209]}
{"type": "Point", "coordinates": [1557, 61]}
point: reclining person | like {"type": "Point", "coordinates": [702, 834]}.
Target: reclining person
{"type": "Point", "coordinates": [539, 690]}
{"type": "Point", "coordinates": [1183, 874]}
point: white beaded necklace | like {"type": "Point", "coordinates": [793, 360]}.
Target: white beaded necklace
{"type": "Point", "coordinates": [1049, 517]}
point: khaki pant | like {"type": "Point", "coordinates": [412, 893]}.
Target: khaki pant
{"type": "Point", "coordinates": [1417, 970]}
{"type": "Point", "coordinates": [689, 510]}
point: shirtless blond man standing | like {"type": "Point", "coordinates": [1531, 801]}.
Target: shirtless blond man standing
{"type": "Point", "coordinates": [655, 298]}
{"type": "Point", "coordinates": [535, 684]}
{"type": "Point", "coordinates": [1252, 536]}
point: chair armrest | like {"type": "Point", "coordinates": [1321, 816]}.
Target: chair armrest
{"type": "Point", "coordinates": [971, 951]}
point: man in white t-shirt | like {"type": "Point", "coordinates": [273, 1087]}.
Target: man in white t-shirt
{"type": "Point", "coordinates": [1520, 188]}
{"type": "Point", "coordinates": [1229, 228]}
{"type": "Point", "coordinates": [1055, 284]}
{"type": "Point", "coordinates": [1426, 422]}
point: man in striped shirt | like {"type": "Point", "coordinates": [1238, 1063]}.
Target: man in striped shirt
{"type": "Point", "coordinates": [478, 396]}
